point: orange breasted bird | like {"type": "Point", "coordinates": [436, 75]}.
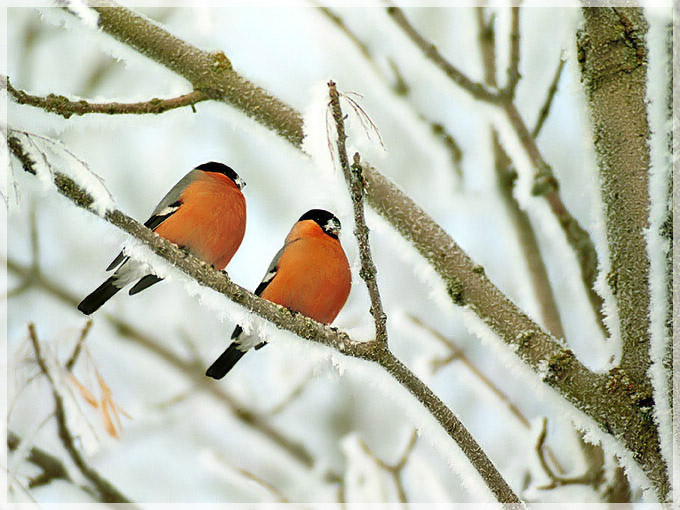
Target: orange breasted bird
{"type": "Point", "coordinates": [310, 275]}
{"type": "Point", "coordinates": [204, 213]}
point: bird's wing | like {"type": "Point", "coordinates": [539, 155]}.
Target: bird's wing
{"type": "Point", "coordinates": [271, 270]}
{"type": "Point", "coordinates": [168, 206]}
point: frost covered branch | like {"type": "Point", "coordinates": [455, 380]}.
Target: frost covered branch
{"type": "Point", "coordinates": [601, 396]}
{"type": "Point", "coordinates": [66, 107]}
{"type": "Point", "coordinates": [106, 491]}
{"type": "Point", "coordinates": [355, 181]}
{"type": "Point", "coordinates": [544, 181]}
{"type": "Point", "coordinates": [477, 90]}
{"type": "Point", "coordinates": [158, 348]}
{"type": "Point", "coordinates": [210, 73]}
{"type": "Point", "coordinates": [507, 177]}
{"type": "Point", "coordinates": [302, 326]}
{"type": "Point", "coordinates": [614, 75]}
{"type": "Point", "coordinates": [613, 60]}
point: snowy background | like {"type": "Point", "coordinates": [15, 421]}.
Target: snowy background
{"type": "Point", "coordinates": [180, 439]}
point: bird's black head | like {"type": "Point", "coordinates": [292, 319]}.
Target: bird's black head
{"type": "Point", "coordinates": [213, 166]}
{"type": "Point", "coordinates": [326, 220]}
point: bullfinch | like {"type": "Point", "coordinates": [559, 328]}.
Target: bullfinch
{"type": "Point", "coordinates": [204, 213]}
{"type": "Point", "coordinates": [310, 275]}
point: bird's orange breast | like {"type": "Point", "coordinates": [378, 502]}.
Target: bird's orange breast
{"type": "Point", "coordinates": [211, 221]}
{"type": "Point", "coordinates": [313, 277]}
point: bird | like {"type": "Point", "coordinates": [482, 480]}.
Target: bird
{"type": "Point", "coordinates": [310, 274]}
{"type": "Point", "coordinates": [204, 213]}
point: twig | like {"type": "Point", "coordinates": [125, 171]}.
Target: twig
{"type": "Point", "coordinates": [262, 483]}
{"type": "Point", "coordinates": [189, 369]}
{"type": "Point", "coordinates": [545, 182]}
{"type": "Point", "coordinates": [66, 108]}
{"type": "Point", "coordinates": [458, 354]}
{"type": "Point", "coordinates": [592, 477]}
{"type": "Point", "coordinates": [106, 491]}
{"type": "Point", "coordinates": [609, 405]}
{"type": "Point", "coordinates": [355, 181]}
{"type": "Point", "coordinates": [51, 466]}
{"type": "Point", "coordinates": [545, 109]}
{"type": "Point", "coordinates": [76, 352]}
{"type": "Point", "coordinates": [401, 88]}
{"type": "Point", "coordinates": [396, 469]}
{"type": "Point", "coordinates": [304, 327]}
{"type": "Point", "coordinates": [513, 66]}
{"type": "Point", "coordinates": [506, 177]}
{"type": "Point", "coordinates": [476, 89]}
{"type": "Point", "coordinates": [487, 44]}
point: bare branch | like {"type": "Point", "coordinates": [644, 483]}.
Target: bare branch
{"type": "Point", "coordinates": [210, 73]}
{"type": "Point", "coordinates": [66, 108]}
{"type": "Point", "coordinates": [592, 477]}
{"type": "Point", "coordinates": [513, 66]}
{"type": "Point", "coordinates": [51, 466]}
{"type": "Point", "coordinates": [76, 352]}
{"type": "Point", "coordinates": [487, 44]}
{"type": "Point", "coordinates": [476, 89]}
{"type": "Point", "coordinates": [355, 181]}
{"type": "Point", "coordinates": [187, 368]}
{"type": "Point", "coordinates": [544, 180]}
{"type": "Point", "coordinates": [545, 109]}
{"type": "Point", "coordinates": [527, 240]}
{"type": "Point", "coordinates": [106, 491]}
{"type": "Point", "coordinates": [304, 327]}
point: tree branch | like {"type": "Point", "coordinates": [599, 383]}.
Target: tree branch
{"type": "Point", "coordinates": [66, 108]}
{"type": "Point", "coordinates": [107, 492]}
{"type": "Point", "coordinates": [608, 405]}
{"type": "Point", "coordinates": [506, 178]}
{"type": "Point", "coordinates": [302, 326]}
{"type": "Point", "coordinates": [51, 466]}
{"type": "Point", "coordinates": [190, 370]}
{"type": "Point", "coordinates": [526, 237]}
{"type": "Point", "coordinates": [210, 73]}
{"type": "Point", "coordinates": [544, 181]}
{"type": "Point", "coordinates": [70, 363]}
{"type": "Point", "coordinates": [513, 66]}
{"type": "Point", "coordinates": [476, 89]}
{"type": "Point", "coordinates": [613, 59]}
{"type": "Point", "coordinates": [355, 181]}
{"type": "Point", "coordinates": [545, 109]}
{"type": "Point", "coordinates": [593, 477]}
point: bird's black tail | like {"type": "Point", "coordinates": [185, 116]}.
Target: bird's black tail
{"type": "Point", "coordinates": [228, 358]}
{"type": "Point", "coordinates": [100, 296]}
{"type": "Point", "coordinates": [225, 362]}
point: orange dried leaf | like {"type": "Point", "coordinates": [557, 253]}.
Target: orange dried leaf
{"type": "Point", "coordinates": [84, 392]}
{"type": "Point", "coordinates": [108, 423]}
